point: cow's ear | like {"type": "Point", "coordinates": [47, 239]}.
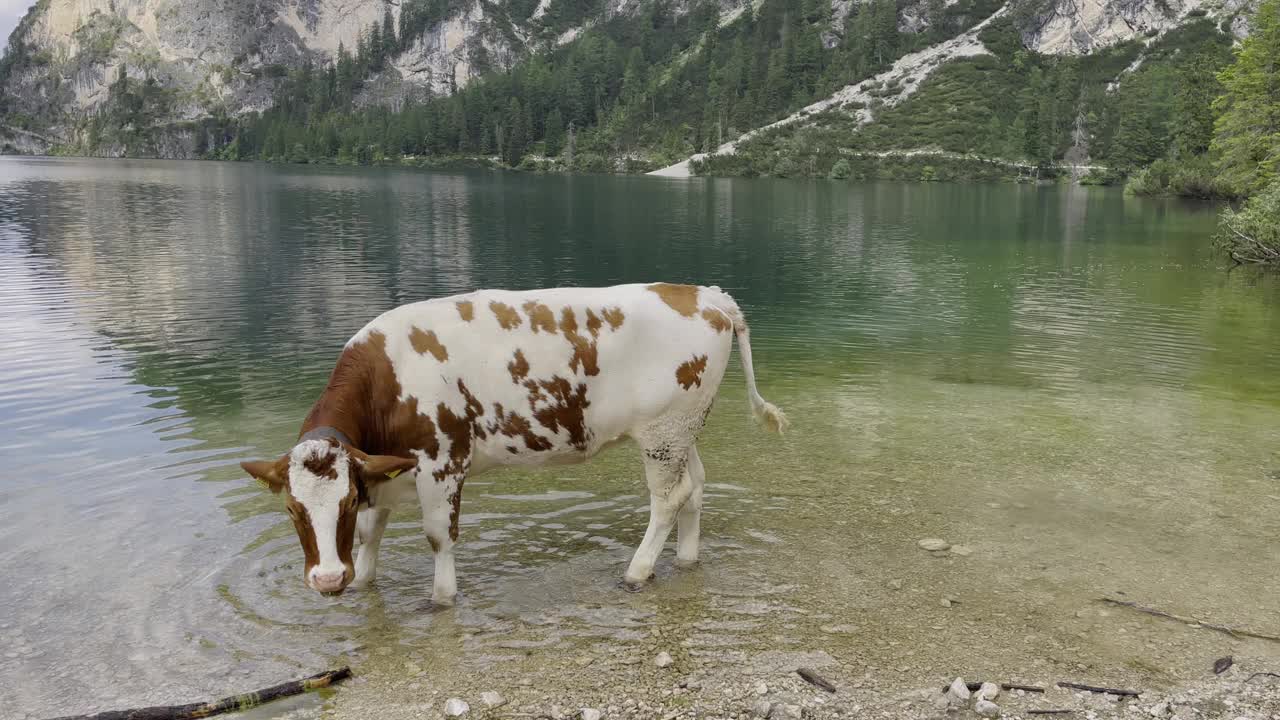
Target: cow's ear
{"type": "Point", "coordinates": [272, 473]}
{"type": "Point", "coordinates": [380, 468]}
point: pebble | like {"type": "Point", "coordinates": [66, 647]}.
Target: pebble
{"type": "Point", "coordinates": [958, 689]}
{"type": "Point", "coordinates": [663, 659]}
{"type": "Point", "coordinates": [456, 707]}
{"type": "Point", "coordinates": [591, 714]}
{"type": "Point", "coordinates": [786, 712]}
{"type": "Point", "coordinates": [934, 544]}
{"type": "Point", "coordinates": [492, 699]}
{"type": "Point", "coordinates": [762, 688]}
{"type": "Point", "coordinates": [761, 708]}
{"type": "Point", "coordinates": [1159, 710]}
{"type": "Point", "coordinates": [986, 708]}
{"type": "Point", "coordinates": [946, 602]}
{"type": "Point", "coordinates": [895, 584]}
{"type": "Point", "coordinates": [989, 691]}
{"type": "Point", "coordinates": [961, 550]}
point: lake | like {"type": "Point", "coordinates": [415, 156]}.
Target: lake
{"type": "Point", "coordinates": [1061, 380]}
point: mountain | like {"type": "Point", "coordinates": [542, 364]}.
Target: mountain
{"type": "Point", "coordinates": [778, 87]}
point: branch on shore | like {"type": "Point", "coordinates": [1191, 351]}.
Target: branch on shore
{"type": "Point", "coordinates": [1099, 690]}
{"type": "Point", "coordinates": [235, 703]}
{"type": "Point", "coordinates": [1234, 632]}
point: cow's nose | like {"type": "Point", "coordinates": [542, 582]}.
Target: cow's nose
{"type": "Point", "coordinates": [328, 582]}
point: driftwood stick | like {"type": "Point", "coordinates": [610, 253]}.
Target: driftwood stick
{"type": "Point", "coordinates": [814, 678]}
{"type": "Point", "coordinates": [1100, 690]}
{"type": "Point", "coordinates": [234, 703]}
{"type": "Point", "coordinates": [1233, 632]}
{"type": "Point", "coordinates": [975, 686]}
{"type": "Point", "coordinates": [1262, 674]}
{"type": "Point", "coordinates": [1049, 712]}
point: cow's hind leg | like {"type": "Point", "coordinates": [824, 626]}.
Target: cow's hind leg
{"type": "Point", "coordinates": [669, 487]}
{"type": "Point", "coordinates": [689, 521]}
{"type": "Point", "coordinates": [441, 501]}
{"type": "Point", "coordinates": [371, 523]}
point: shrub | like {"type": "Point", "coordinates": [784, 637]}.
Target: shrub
{"type": "Point", "coordinates": [1251, 235]}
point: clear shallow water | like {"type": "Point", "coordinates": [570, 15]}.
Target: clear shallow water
{"type": "Point", "coordinates": [1060, 379]}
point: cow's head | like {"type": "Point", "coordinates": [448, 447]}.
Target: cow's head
{"type": "Point", "coordinates": [325, 482]}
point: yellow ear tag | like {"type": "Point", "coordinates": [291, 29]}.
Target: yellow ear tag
{"type": "Point", "coordinates": [392, 475]}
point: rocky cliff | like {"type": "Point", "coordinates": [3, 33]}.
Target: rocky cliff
{"type": "Point", "coordinates": [227, 57]}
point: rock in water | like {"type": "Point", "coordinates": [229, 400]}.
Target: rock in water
{"type": "Point", "coordinates": [761, 708]}
{"type": "Point", "coordinates": [591, 714]}
{"type": "Point", "coordinates": [762, 688]}
{"type": "Point", "coordinates": [456, 707]}
{"type": "Point", "coordinates": [958, 689]}
{"type": "Point", "coordinates": [986, 708]}
{"type": "Point", "coordinates": [663, 659]}
{"type": "Point", "coordinates": [933, 544]}
{"type": "Point", "coordinates": [989, 691]}
{"type": "Point", "coordinates": [492, 699]}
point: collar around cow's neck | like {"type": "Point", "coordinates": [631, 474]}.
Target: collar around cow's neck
{"type": "Point", "coordinates": [324, 432]}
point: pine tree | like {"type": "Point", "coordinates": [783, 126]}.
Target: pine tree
{"type": "Point", "coordinates": [1247, 133]}
{"type": "Point", "coordinates": [554, 137]}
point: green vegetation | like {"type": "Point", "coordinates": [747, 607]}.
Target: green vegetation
{"type": "Point", "coordinates": [631, 92]}
{"type": "Point", "coordinates": [1017, 114]}
{"type": "Point", "coordinates": [1248, 125]}
{"type": "Point", "coordinates": [1252, 234]}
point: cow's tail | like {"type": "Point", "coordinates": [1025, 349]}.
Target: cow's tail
{"type": "Point", "coordinates": [765, 412]}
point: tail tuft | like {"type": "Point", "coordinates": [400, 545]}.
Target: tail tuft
{"type": "Point", "coordinates": [770, 415]}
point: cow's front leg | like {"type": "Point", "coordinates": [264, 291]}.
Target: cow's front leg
{"type": "Point", "coordinates": [371, 523]}
{"type": "Point", "coordinates": [669, 488]}
{"type": "Point", "coordinates": [441, 502]}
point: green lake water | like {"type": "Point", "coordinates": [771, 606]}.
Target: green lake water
{"type": "Point", "coordinates": [1063, 380]}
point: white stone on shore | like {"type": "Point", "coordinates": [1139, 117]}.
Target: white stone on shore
{"type": "Point", "coordinates": [986, 708]}
{"type": "Point", "coordinates": [934, 544]}
{"type": "Point", "coordinates": [761, 708]}
{"type": "Point", "coordinates": [591, 714]}
{"type": "Point", "coordinates": [663, 659]}
{"type": "Point", "coordinates": [958, 690]}
{"type": "Point", "coordinates": [989, 691]}
{"type": "Point", "coordinates": [492, 699]}
{"type": "Point", "coordinates": [762, 688]}
{"type": "Point", "coordinates": [456, 707]}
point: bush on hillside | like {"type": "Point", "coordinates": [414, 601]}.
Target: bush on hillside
{"type": "Point", "coordinates": [1251, 235]}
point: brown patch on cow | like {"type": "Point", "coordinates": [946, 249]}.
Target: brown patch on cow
{"type": "Point", "coordinates": [462, 430]}
{"type": "Point", "coordinates": [690, 372]}
{"type": "Point", "coordinates": [363, 401]}
{"type": "Point", "coordinates": [681, 298]}
{"type": "Point", "coordinates": [507, 316]}
{"type": "Point", "coordinates": [614, 317]}
{"type": "Point", "coordinates": [518, 367]}
{"type": "Point", "coordinates": [466, 310]}
{"type": "Point", "coordinates": [565, 408]}
{"type": "Point", "coordinates": [324, 465]}
{"type": "Point", "coordinates": [512, 424]}
{"type": "Point", "coordinates": [717, 320]}
{"type": "Point", "coordinates": [306, 535]}
{"type": "Point", "coordinates": [427, 342]}
{"type": "Point", "coordinates": [455, 503]}
{"type": "Point", "coordinates": [540, 317]}
{"type": "Point", "coordinates": [585, 357]}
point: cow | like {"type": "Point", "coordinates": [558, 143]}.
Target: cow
{"type": "Point", "coordinates": [431, 393]}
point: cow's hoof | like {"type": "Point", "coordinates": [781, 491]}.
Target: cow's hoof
{"type": "Point", "coordinates": [686, 564]}
{"type": "Point", "coordinates": [632, 587]}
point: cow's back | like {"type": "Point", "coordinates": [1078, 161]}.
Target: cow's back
{"type": "Point", "coordinates": [553, 375]}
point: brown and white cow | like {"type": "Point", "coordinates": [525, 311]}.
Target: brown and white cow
{"type": "Point", "coordinates": [431, 393]}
